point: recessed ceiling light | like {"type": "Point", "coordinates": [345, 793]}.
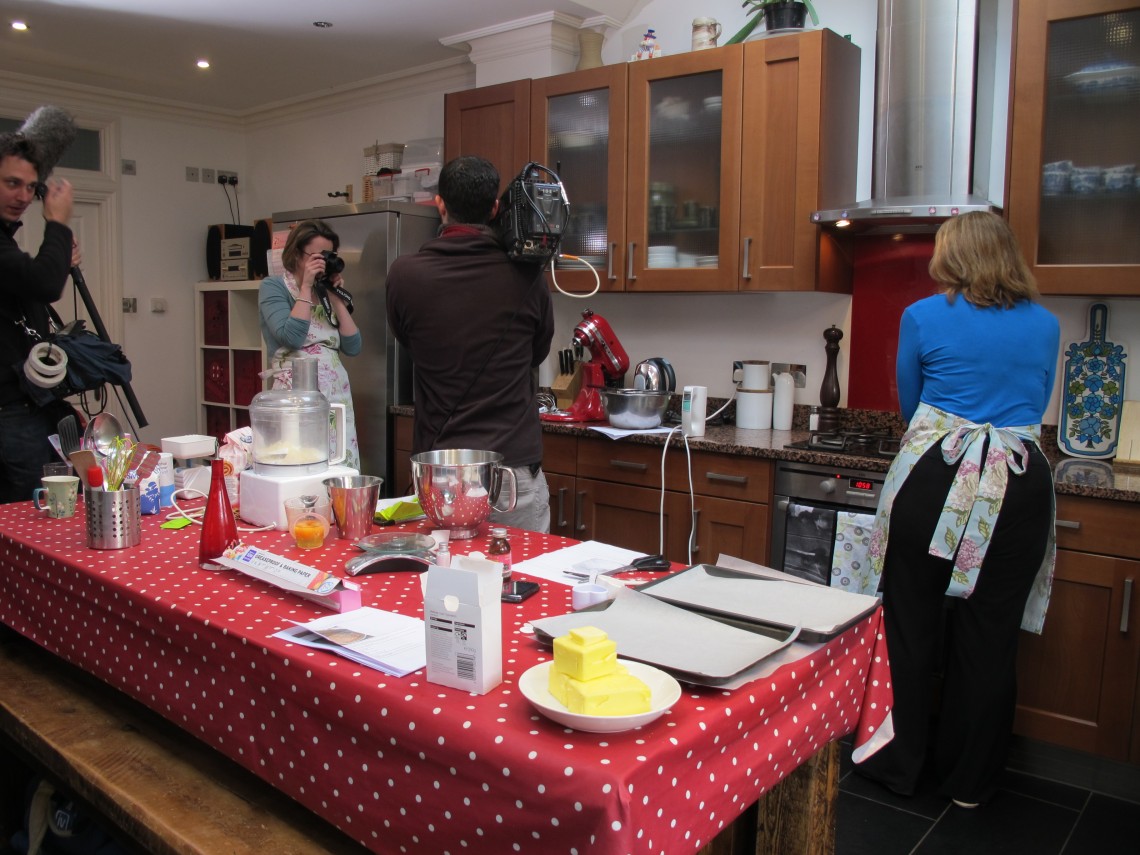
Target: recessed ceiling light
{"type": "Point", "coordinates": [203, 63]}
{"type": "Point", "coordinates": [19, 25]}
{"type": "Point", "coordinates": [324, 25]}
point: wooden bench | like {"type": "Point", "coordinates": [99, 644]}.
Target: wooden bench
{"type": "Point", "coordinates": [165, 791]}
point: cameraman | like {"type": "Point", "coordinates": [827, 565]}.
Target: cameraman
{"type": "Point", "coordinates": [27, 286]}
{"type": "Point", "coordinates": [477, 325]}
{"type": "Point", "coordinates": [295, 322]}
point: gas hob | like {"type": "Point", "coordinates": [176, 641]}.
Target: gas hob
{"type": "Point", "coordinates": [878, 444]}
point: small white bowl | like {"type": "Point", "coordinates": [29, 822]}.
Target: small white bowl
{"type": "Point", "coordinates": [664, 691]}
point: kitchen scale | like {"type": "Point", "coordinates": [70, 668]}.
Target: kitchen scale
{"type": "Point", "coordinates": [261, 497]}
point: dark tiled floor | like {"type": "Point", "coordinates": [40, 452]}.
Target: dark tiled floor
{"type": "Point", "coordinates": [1028, 816]}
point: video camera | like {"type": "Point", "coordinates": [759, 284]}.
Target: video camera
{"type": "Point", "coordinates": [533, 213]}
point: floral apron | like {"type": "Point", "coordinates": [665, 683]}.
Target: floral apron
{"type": "Point", "coordinates": [967, 521]}
{"type": "Point", "coordinates": [323, 342]}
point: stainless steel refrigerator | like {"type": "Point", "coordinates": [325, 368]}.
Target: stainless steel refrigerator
{"type": "Point", "coordinates": [372, 235]}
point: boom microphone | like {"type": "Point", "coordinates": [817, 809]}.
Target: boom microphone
{"type": "Point", "coordinates": [51, 130]}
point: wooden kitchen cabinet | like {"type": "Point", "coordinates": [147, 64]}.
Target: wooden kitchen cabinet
{"type": "Point", "coordinates": [800, 124]}
{"type": "Point", "coordinates": [230, 354]}
{"type": "Point", "coordinates": [710, 161]}
{"type": "Point", "coordinates": [1076, 106]}
{"type": "Point", "coordinates": [1077, 681]}
{"type": "Point", "coordinates": [492, 122]}
{"type": "Point", "coordinates": [578, 129]}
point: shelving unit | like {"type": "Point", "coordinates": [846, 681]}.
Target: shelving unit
{"type": "Point", "coordinates": [230, 355]}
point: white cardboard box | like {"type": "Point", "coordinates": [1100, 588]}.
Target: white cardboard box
{"type": "Point", "coordinates": [463, 620]}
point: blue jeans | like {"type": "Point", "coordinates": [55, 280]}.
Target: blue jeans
{"type": "Point", "coordinates": [532, 505]}
{"type": "Point", "coordinates": [24, 446]}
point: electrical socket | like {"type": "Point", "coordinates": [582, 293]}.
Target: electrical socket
{"type": "Point", "coordinates": [192, 173]}
{"type": "Point", "coordinates": [230, 178]}
{"type": "Point", "coordinates": [208, 176]}
{"type": "Point", "coordinates": [130, 305]}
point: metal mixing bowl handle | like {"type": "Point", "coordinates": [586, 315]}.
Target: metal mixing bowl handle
{"type": "Point", "coordinates": [497, 489]}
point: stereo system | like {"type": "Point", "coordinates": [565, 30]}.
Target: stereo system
{"type": "Point", "coordinates": [238, 252]}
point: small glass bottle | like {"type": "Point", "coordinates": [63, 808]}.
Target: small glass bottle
{"type": "Point", "coordinates": [813, 420]}
{"type": "Point", "coordinates": [219, 528]}
{"type": "Point", "coordinates": [500, 551]}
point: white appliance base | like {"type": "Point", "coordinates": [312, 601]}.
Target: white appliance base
{"type": "Point", "coordinates": [261, 499]}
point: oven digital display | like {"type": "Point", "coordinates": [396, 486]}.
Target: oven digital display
{"type": "Point", "coordinates": [862, 484]}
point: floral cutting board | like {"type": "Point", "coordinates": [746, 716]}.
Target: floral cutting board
{"type": "Point", "coordinates": [1092, 391]}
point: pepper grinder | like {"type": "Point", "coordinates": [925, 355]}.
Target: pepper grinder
{"type": "Point", "coordinates": [829, 390]}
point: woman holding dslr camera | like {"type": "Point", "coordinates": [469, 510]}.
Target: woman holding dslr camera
{"type": "Point", "coordinates": [302, 314]}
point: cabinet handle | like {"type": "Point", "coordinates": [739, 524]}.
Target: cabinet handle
{"type": "Point", "coordinates": [728, 479]}
{"type": "Point", "coordinates": [1126, 609]}
{"type": "Point", "coordinates": [579, 522]}
{"type": "Point", "coordinates": [1073, 524]}
{"type": "Point", "coordinates": [629, 464]}
{"type": "Point", "coordinates": [561, 507]}
{"type": "Point", "coordinates": [747, 257]}
{"type": "Point", "coordinates": [696, 547]}
{"type": "Point", "coordinates": [629, 274]}
{"type": "Point", "coordinates": [610, 263]}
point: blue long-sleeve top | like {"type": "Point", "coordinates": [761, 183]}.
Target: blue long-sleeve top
{"type": "Point", "coordinates": [280, 329]}
{"type": "Point", "coordinates": [984, 364]}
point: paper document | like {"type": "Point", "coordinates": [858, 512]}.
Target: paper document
{"type": "Point", "coordinates": [618, 433]}
{"type": "Point", "coordinates": [553, 565]}
{"type": "Point", "coordinates": [388, 642]}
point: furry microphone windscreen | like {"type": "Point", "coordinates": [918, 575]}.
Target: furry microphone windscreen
{"type": "Point", "coordinates": [51, 130]}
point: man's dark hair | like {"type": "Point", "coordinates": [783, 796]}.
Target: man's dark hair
{"type": "Point", "coordinates": [469, 186]}
{"type": "Point", "coordinates": [15, 144]}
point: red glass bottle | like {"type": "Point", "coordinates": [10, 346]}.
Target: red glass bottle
{"type": "Point", "coordinates": [219, 527]}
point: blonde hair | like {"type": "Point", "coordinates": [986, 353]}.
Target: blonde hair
{"type": "Point", "coordinates": [976, 255]}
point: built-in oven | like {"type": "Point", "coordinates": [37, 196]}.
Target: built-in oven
{"type": "Point", "coordinates": [822, 519]}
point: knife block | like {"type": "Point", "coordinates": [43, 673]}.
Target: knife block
{"type": "Point", "coordinates": [566, 386]}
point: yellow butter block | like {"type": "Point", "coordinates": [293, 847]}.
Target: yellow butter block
{"type": "Point", "coordinates": [585, 654]}
{"type": "Point", "coordinates": [613, 694]}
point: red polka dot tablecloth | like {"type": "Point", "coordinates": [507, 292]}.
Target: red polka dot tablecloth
{"type": "Point", "coordinates": [401, 764]}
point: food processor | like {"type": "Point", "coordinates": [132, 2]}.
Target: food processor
{"type": "Point", "coordinates": [290, 447]}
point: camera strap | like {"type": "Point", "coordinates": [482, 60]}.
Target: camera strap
{"type": "Point", "coordinates": [321, 290]}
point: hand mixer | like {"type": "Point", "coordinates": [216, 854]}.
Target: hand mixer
{"type": "Point", "coordinates": [608, 361]}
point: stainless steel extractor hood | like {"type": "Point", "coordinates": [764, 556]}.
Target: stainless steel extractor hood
{"type": "Point", "coordinates": [927, 94]}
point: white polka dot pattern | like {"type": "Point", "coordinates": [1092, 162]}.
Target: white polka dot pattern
{"type": "Point", "coordinates": [404, 765]}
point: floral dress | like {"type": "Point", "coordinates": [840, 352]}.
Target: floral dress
{"type": "Point", "coordinates": [323, 342]}
{"type": "Point", "coordinates": [971, 510]}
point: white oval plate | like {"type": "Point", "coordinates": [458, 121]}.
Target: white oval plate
{"type": "Point", "coordinates": [664, 691]}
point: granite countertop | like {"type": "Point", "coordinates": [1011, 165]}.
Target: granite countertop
{"type": "Point", "coordinates": [1072, 476]}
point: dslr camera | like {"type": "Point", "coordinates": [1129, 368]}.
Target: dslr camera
{"type": "Point", "coordinates": [334, 264]}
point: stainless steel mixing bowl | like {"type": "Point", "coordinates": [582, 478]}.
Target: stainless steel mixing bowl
{"type": "Point", "coordinates": [459, 487]}
{"type": "Point", "coordinates": [635, 409]}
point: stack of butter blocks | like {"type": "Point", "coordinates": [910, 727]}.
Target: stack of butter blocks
{"type": "Point", "coordinates": [586, 677]}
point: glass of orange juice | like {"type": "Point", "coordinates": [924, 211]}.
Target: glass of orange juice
{"type": "Point", "coordinates": [308, 520]}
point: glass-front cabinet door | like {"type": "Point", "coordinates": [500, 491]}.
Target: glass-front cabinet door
{"type": "Point", "coordinates": [683, 172]}
{"type": "Point", "coordinates": [1074, 180]}
{"type": "Point", "coordinates": [578, 129]}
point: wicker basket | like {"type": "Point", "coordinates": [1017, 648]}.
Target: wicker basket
{"type": "Point", "coordinates": [381, 156]}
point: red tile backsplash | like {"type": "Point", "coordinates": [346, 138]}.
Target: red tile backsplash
{"type": "Point", "coordinates": [889, 275]}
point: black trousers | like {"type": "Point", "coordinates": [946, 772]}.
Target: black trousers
{"type": "Point", "coordinates": [979, 690]}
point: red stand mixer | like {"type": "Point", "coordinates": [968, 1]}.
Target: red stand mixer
{"type": "Point", "coordinates": [608, 362]}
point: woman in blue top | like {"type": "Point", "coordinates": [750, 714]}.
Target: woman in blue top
{"type": "Point", "coordinates": [295, 321]}
{"type": "Point", "coordinates": [966, 510]}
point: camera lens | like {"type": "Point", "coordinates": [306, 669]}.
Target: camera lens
{"type": "Point", "coordinates": [334, 264]}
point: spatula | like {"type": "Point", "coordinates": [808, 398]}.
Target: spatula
{"type": "Point", "coordinates": [83, 460]}
{"type": "Point", "coordinates": [68, 434]}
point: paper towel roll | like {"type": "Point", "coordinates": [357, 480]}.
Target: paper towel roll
{"type": "Point", "coordinates": [782, 402]}
{"type": "Point", "coordinates": [754, 409]}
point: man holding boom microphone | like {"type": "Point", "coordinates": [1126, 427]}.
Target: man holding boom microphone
{"type": "Point", "coordinates": [28, 284]}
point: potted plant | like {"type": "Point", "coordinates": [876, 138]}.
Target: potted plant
{"type": "Point", "coordinates": [777, 15]}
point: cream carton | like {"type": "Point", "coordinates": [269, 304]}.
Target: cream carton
{"type": "Point", "coordinates": [464, 624]}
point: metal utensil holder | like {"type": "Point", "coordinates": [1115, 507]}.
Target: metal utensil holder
{"type": "Point", "coordinates": [114, 518]}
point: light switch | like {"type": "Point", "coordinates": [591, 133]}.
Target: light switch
{"type": "Point", "coordinates": [158, 304]}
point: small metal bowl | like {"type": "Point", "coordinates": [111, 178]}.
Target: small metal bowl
{"type": "Point", "coordinates": [635, 409]}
